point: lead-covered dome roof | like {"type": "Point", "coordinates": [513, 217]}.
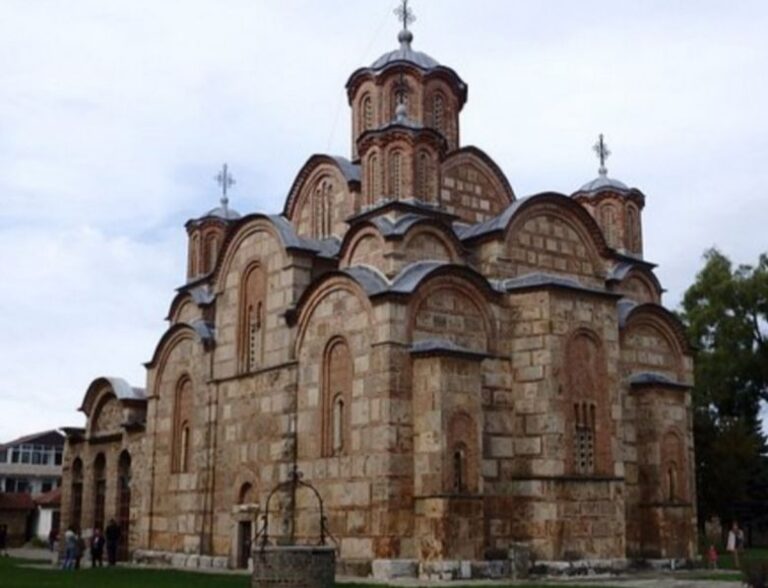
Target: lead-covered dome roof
{"type": "Point", "coordinates": [406, 53]}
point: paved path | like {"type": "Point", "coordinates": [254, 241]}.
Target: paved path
{"type": "Point", "coordinates": [31, 553]}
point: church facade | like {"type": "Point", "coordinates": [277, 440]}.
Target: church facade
{"type": "Point", "coordinates": [457, 370]}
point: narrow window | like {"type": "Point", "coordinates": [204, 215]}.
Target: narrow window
{"type": "Point", "coordinates": [338, 424]}
{"type": "Point", "coordinates": [396, 174]}
{"type": "Point", "coordinates": [671, 483]}
{"type": "Point", "coordinates": [76, 507]}
{"type": "Point", "coordinates": [424, 177]}
{"type": "Point", "coordinates": [211, 252]}
{"type": "Point", "coordinates": [184, 449]}
{"type": "Point", "coordinates": [182, 415]}
{"type": "Point", "coordinates": [336, 394]}
{"type": "Point", "coordinates": [608, 222]}
{"type": "Point", "coordinates": [374, 186]}
{"type": "Point", "coordinates": [367, 113]}
{"type": "Point", "coordinates": [250, 328]}
{"type": "Point", "coordinates": [438, 112]}
{"type": "Point", "coordinates": [100, 490]}
{"type": "Point", "coordinates": [459, 469]}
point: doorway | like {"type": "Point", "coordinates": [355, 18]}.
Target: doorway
{"type": "Point", "coordinates": [245, 529]}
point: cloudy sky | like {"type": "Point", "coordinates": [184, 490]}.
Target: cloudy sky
{"type": "Point", "coordinates": [115, 116]}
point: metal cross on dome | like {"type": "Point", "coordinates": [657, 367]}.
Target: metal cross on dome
{"type": "Point", "coordinates": [602, 153]}
{"type": "Point", "coordinates": [405, 14]}
{"type": "Point", "coordinates": [225, 180]}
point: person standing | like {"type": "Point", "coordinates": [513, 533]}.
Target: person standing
{"type": "Point", "coordinates": [3, 540]}
{"type": "Point", "coordinates": [735, 542]}
{"type": "Point", "coordinates": [70, 549]}
{"type": "Point", "coordinates": [113, 539]}
{"type": "Point", "coordinates": [97, 549]}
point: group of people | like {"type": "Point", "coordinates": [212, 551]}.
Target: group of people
{"type": "Point", "coordinates": [733, 545]}
{"type": "Point", "coordinates": [75, 546]}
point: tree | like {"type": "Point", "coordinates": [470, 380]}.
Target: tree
{"type": "Point", "coordinates": [726, 312]}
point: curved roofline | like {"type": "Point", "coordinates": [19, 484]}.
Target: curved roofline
{"type": "Point", "coordinates": [623, 269]}
{"type": "Point", "coordinates": [501, 222]}
{"type": "Point", "coordinates": [399, 230]}
{"type": "Point", "coordinates": [412, 276]}
{"type": "Point", "coordinates": [488, 160]}
{"type": "Point", "coordinates": [120, 388]}
{"type": "Point", "coordinates": [631, 311]}
{"type": "Point", "coordinates": [349, 171]}
{"type": "Point", "coordinates": [170, 332]}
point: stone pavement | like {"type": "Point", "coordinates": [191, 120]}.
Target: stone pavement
{"type": "Point", "coordinates": [37, 553]}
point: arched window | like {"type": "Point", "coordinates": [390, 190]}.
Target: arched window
{"type": "Point", "coordinates": [194, 254]}
{"type": "Point", "coordinates": [251, 327]}
{"type": "Point", "coordinates": [438, 112]}
{"type": "Point", "coordinates": [367, 113]}
{"type": "Point", "coordinates": [424, 173]}
{"type": "Point", "coordinates": [182, 416]}
{"type": "Point", "coordinates": [336, 394]}
{"type": "Point", "coordinates": [374, 179]}
{"type": "Point", "coordinates": [124, 501]}
{"type": "Point", "coordinates": [246, 495]}
{"type": "Point", "coordinates": [337, 441]}
{"type": "Point", "coordinates": [461, 462]}
{"type": "Point", "coordinates": [672, 482]}
{"type": "Point", "coordinates": [76, 506]}
{"type": "Point", "coordinates": [211, 252]}
{"type": "Point", "coordinates": [323, 209]}
{"type": "Point", "coordinates": [608, 223]}
{"type": "Point", "coordinates": [672, 456]}
{"type": "Point", "coordinates": [633, 229]}
{"type": "Point", "coordinates": [588, 435]}
{"type": "Point", "coordinates": [396, 174]}
{"type": "Point", "coordinates": [99, 490]}
{"type": "Point", "coordinates": [459, 468]}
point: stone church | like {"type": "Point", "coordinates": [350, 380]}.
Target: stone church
{"type": "Point", "coordinates": [457, 370]}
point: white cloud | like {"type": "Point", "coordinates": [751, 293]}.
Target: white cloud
{"type": "Point", "coordinates": [115, 116]}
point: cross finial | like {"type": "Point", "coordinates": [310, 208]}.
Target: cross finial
{"type": "Point", "coordinates": [602, 153]}
{"type": "Point", "coordinates": [225, 180]}
{"type": "Point", "coordinates": [405, 14]}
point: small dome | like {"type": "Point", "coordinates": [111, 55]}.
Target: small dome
{"type": "Point", "coordinates": [405, 53]}
{"type": "Point", "coordinates": [224, 213]}
{"type": "Point", "coordinates": [601, 183]}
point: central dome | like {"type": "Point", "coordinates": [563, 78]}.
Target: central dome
{"type": "Point", "coordinates": [405, 53]}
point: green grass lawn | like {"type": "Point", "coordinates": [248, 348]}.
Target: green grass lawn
{"type": "Point", "coordinates": [16, 573]}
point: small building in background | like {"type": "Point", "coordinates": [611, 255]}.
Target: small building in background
{"type": "Point", "coordinates": [30, 477]}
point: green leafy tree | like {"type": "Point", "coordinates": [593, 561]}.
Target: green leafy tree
{"type": "Point", "coordinates": [726, 312]}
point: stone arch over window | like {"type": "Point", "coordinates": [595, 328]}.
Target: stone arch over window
{"type": "Point", "coordinates": [608, 222]}
{"type": "Point", "coordinates": [396, 174]}
{"type": "Point", "coordinates": [99, 490]}
{"type": "Point", "coordinates": [323, 208]}
{"type": "Point", "coordinates": [182, 430]}
{"type": "Point", "coordinates": [251, 326]}
{"type": "Point", "coordinates": [587, 406]}
{"type": "Point", "coordinates": [672, 474]}
{"type": "Point", "coordinates": [425, 173]}
{"type": "Point", "coordinates": [76, 505]}
{"type": "Point", "coordinates": [462, 457]}
{"type": "Point", "coordinates": [337, 394]}
{"type": "Point", "coordinates": [373, 178]}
